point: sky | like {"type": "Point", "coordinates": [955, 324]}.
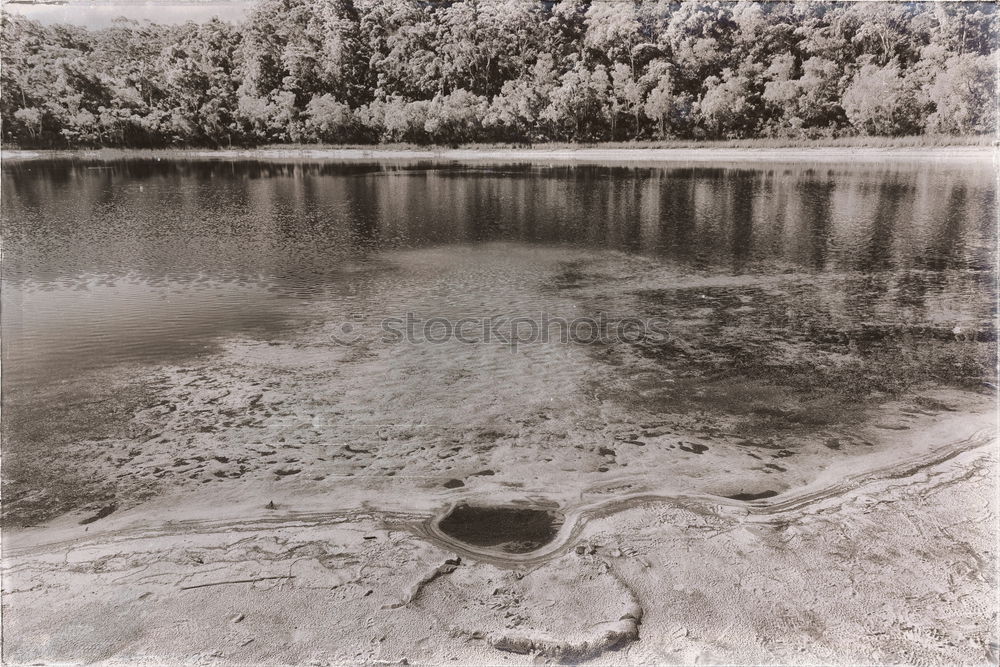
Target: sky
{"type": "Point", "coordinates": [101, 14]}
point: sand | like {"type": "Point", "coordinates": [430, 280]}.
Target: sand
{"type": "Point", "coordinates": [935, 154]}
{"type": "Point", "coordinates": [893, 565]}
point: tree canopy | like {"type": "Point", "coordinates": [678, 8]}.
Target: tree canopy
{"type": "Point", "coordinates": [369, 71]}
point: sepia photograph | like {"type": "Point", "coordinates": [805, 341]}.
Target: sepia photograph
{"type": "Point", "coordinates": [342, 333]}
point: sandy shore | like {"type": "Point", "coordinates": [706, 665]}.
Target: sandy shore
{"type": "Point", "coordinates": [859, 571]}
{"type": "Point", "coordinates": [936, 154]}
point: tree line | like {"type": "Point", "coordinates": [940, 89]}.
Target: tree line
{"type": "Point", "coordinates": [524, 71]}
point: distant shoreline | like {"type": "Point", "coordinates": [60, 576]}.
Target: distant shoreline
{"type": "Point", "coordinates": [543, 153]}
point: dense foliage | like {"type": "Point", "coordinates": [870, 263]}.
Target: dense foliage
{"type": "Point", "coordinates": [505, 70]}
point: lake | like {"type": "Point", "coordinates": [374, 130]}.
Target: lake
{"type": "Point", "coordinates": [174, 324]}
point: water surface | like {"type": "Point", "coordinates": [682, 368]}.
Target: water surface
{"type": "Point", "coordinates": [793, 292]}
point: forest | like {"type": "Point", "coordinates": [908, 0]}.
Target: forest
{"type": "Point", "coordinates": [513, 71]}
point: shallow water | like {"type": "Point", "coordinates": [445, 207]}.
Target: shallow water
{"type": "Point", "coordinates": [144, 260]}
{"type": "Point", "coordinates": [506, 529]}
{"type": "Point", "coordinates": [790, 293]}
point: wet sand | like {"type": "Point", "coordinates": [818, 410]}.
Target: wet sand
{"type": "Point", "coordinates": [858, 571]}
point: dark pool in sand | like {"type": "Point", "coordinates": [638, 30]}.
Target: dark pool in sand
{"type": "Point", "coordinates": [171, 323]}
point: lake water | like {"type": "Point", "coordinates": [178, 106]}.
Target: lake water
{"type": "Point", "coordinates": [841, 283]}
